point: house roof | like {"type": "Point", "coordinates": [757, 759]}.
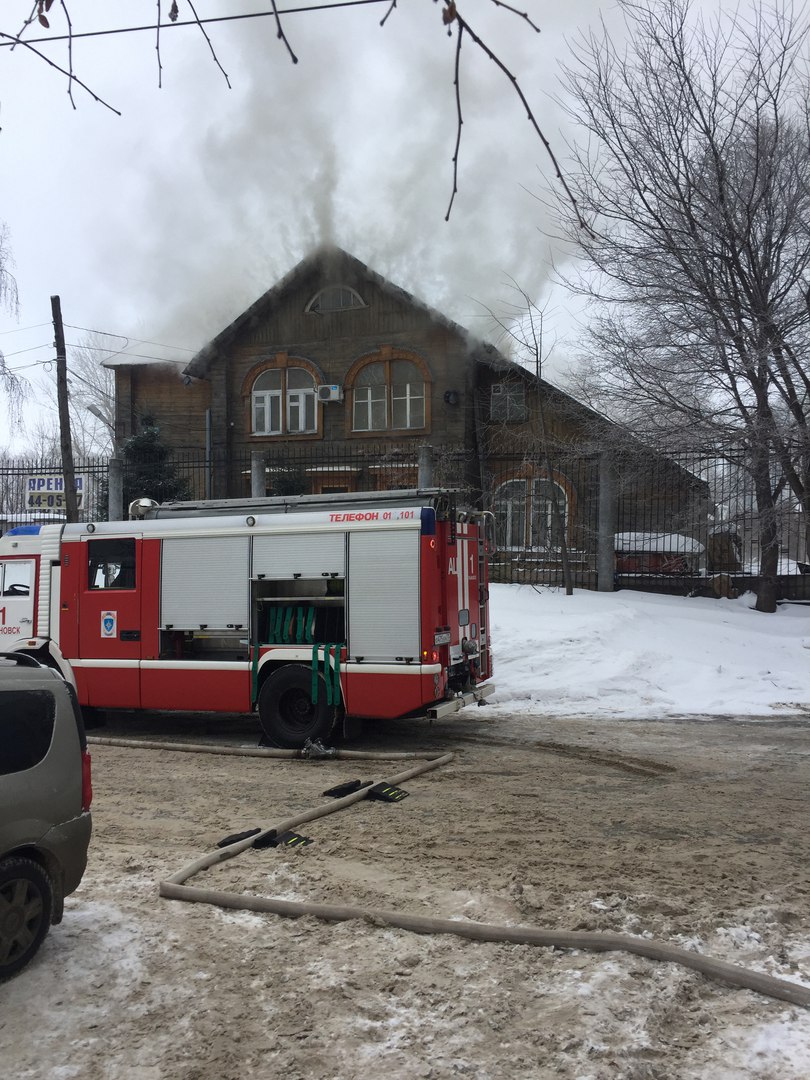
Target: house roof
{"type": "Point", "coordinates": [201, 362]}
{"type": "Point", "coordinates": [482, 352]}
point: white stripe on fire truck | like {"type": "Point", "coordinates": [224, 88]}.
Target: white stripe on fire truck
{"type": "Point", "coordinates": [164, 665]}
{"type": "Point", "coordinates": [228, 665]}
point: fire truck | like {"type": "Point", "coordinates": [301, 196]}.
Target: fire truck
{"type": "Point", "coordinates": [317, 611]}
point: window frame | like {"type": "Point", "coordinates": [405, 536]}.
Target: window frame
{"type": "Point", "coordinates": [286, 405]}
{"type": "Point", "coordinates": [512, 405]}
{"type": "Point", "coordinates": [357, 301]}
{"type": "Point", "coordinates": [531, 512]}
{"type": "Point", "coordinates": [388, 357]}
{"type": "Point", "coordinates": [118, 551]}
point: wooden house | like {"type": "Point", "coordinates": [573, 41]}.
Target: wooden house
{"type": "Point", "coordinates": [335, 378]}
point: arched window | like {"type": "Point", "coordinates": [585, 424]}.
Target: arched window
{"type": "Point", "coordinates": [335, 298]}
{"type": "Point", "coordinates": [389, 394]}
{"type": "Point", "coordinates": [525, 515]}
{"type": "Point", "coordinates": [371, 399]}
{"type": "Point", "coordinates": [283, 402]}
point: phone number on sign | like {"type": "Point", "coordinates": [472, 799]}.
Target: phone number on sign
{"type": "Point", "coordinates": [52, 500]}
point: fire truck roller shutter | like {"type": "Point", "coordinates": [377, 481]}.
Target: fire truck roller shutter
{"type": "Point", "coordinates": [383, 594]}
{"type": "Point", "coordinates": [205, 582]}
{"type": "Point", "coordinates": [308, 555]}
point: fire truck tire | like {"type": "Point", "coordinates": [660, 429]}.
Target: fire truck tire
{"type": "Point", "coordinates": [288, 714]}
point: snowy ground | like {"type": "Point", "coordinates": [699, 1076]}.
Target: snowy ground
{"type": "Point", "coordinates": [643, 655]}
{"type": "Point", "coordinates": [645, 769]}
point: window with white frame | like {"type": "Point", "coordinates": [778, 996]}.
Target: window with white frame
{"type": "Point", "coordinates": [335, 298]}
{"type": "Point", "coordinates": [371, 399]}
{"type": "Point", "coordinates": [525, 514]}
{"type": "Point", "coordinates": [407, 395]}
{"type": "Point", "coordinates": [283, 402]}
{"type": "Point", "coordinates": [389, 394]}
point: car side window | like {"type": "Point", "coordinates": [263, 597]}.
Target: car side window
{"type": "Point", "coordinates": [111, 564]}
{"type": "Point", "coordinates": [26, 728]}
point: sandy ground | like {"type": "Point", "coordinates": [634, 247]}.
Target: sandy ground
{"type": "Point", "coordinates": [691, 831]}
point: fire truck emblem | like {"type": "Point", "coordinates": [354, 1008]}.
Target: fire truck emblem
{"type": "Point", "coordinates": [109, 624]}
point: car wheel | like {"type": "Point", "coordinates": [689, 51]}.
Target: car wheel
{"type": "Point", "coordinates": [26, 906]}
{"type": "Point", "coordinates": [288, 714]}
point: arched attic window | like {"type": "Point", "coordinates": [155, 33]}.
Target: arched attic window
{"type": "Point", "coordinates": [388, 392]}
{"type": "Point", "coordinates": [335, 298]}
{"type": "Point", "coordinates": [283, 401]}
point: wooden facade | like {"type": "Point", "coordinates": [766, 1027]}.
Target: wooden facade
{"type": "Point", "coordinates": [404, 376]}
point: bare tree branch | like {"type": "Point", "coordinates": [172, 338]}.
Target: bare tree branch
{"type": "Point", "coordinates": [210, 46]}
{"type": "Point", "coordinates": [15, 39]}
{"type": "Point", "coordinates": [450, 15]}
{"type": "Point", "coordinates": [280, 33]}
{"type": "Point", "coordinates": [694, 173]}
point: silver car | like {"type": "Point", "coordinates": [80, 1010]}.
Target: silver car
{"type": "Point", "coordinates": [45, 796]}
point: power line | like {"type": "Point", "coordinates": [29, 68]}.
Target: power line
{"type": "Point", "coordinates": [21, 329]}
{"type": "Point", "coordinates": [33, 348]}
{"type": "Point", "coordinates": [36, 363]}
{"type": "Point", "coordinates": [140, 341]}
{"type": "Point", "coordinates": [121, 352]}
{"type": "Point", "coordinates": [189, 22]}
{"type": "Point", "coordinates": [101, 333]}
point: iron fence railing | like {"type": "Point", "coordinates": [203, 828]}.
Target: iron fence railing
{"type": "Point", "coordinates": [672, 520]}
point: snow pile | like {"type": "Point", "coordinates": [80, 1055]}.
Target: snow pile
{"type": "Point", "coordinates": [641, 655]}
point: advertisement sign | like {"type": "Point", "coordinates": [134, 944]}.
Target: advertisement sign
{"type": "Point", "coordinates": [46, 491]}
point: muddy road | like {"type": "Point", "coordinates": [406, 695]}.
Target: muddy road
{"type": "Point", "coordinates": [690, 831]}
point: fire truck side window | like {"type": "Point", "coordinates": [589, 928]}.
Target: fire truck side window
{"type": "Point", "coordinates": [16, 578]}
{"type": "Point", "coordinates": [111, 564]}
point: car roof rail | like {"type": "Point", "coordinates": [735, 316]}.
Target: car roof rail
{"type": "Point", "coordinates": [22, 658]}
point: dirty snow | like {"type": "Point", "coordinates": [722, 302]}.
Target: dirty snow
{"type": "Point", "coordinates": [644, 769]}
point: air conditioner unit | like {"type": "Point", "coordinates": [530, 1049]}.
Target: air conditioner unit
{"type": "Point", "coordinates": [330, 393]}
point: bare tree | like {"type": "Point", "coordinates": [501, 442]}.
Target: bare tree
{"type": "Point", "coordinates": [11, 385]}
{"type": "Point", "coordinates": [522, 331]}
{"type": "Point", "coordinates": [694, 180]}
{"type": "Point", "coordinates": [91, 388]}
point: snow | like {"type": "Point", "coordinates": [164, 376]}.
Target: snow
{"type": "Point", "coordinates": [660, 542]}
{"type": "Point", "coordinates": [625, 654]}
{"type": "Point", "coordinates": [646, 656]}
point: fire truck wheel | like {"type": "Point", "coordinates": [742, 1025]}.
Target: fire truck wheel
{"type": "Point", "coordinates": [288, 714]}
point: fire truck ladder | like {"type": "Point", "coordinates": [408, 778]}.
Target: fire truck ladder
{"type": "Point", "coordinates": [443, 500]}
{"type": "Point", "coordinates": [483, 618]}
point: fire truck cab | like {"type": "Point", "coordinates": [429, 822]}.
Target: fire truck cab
{"type": "Point", "coordinates": [315, 610]}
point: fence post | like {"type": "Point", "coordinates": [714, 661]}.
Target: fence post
{"type": "Point", "coordinates": [115, 489]}
{"type": "Point", "coordinates": [425, 473]}
{"type": "Point", "coordinates": [606, 538]}
{"type": "Point", "coordinates": [258, 480]}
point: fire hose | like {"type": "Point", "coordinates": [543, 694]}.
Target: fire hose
{"type": "Point", "coordinates": [174, 888]}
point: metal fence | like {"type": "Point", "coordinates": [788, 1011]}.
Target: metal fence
{"type": "Point", "coordinates": [32, 490]}
{"type": "Point", "coordinates": [674, 522]}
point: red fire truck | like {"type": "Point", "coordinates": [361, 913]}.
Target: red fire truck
{"type": "Point", "coordinates": [315, 610]}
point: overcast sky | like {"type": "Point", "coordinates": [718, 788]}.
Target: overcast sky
{"type": "Point", "coordinates": [163, 224]}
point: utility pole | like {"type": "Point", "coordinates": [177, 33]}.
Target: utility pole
{"type": "Point", "coordinates": [68, 472]}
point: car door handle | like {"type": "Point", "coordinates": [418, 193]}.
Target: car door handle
{"type": "Point", "coordinates": [25, 620]}
{"type": "Point", "coordinates": [130, 635]}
